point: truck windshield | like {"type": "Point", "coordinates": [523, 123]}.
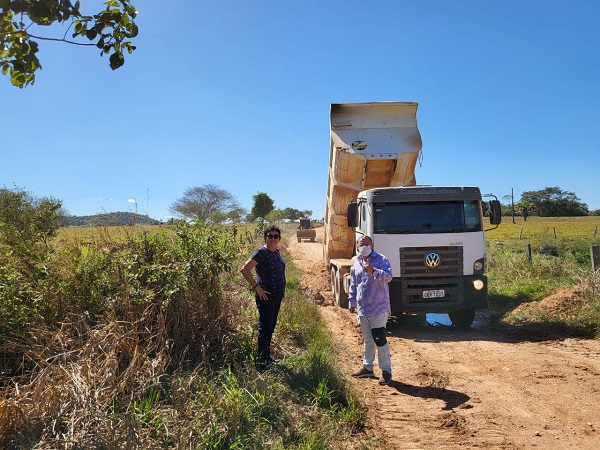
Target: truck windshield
{"type": "Point", "coordinates": [427, 217]}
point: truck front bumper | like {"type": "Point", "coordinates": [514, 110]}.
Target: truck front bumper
{"type": "Point", "coordinates": [407, 296]}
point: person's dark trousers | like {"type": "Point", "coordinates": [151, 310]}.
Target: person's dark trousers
{"type": "Point", "coordinates": [268, 311]}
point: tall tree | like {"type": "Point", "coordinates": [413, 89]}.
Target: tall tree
{"type": "Point", "coordinates": [208, 203]}
{"type": "Point", "coordinates": [295, 214]}
{"type": "Point", "coordinates": [263, 205]}
{"type": "Point", "coordinates": [292, 214]}
{"type": "Point", "coordinates": [110, 30]}
{"type": "Point", "coordinates": [555, 202]}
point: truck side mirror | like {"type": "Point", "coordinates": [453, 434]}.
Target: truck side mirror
{"type": "Point", "coordinates": [495, 212]}
{"type": "Point", "coordinates": [352, 215]}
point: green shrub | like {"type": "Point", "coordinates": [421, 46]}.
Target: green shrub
{"type": "Point", "coordinates": [26, 226]}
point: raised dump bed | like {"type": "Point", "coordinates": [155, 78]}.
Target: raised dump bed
{"type": "Point", "coordinates": [372, 145]}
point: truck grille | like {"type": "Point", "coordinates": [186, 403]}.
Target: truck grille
{"type": "Point", "coordinates": [417, 276]}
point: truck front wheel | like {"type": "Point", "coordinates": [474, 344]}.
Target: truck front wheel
{"type": "Point", "coordinates": [337, 289]}
{"type": "Point", "coordinates": [463, 318]}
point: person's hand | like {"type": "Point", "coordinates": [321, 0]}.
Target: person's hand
{"type": "Point", "coordinates": [367, 266]}
{"type": "Point", "coordinates": [352, 309]}
{"type": "Point", "coordinates": [262, 294]}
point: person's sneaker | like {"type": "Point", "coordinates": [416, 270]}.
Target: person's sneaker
{"type": "Point", "coordinates": [386, 377]}
{"type": "Point", "coordinates": [363, 372]}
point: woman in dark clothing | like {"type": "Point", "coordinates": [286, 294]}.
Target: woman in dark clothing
{"type": "Point", "coordinates": [269, 289]}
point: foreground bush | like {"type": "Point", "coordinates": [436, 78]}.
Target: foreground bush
{"type": "Point", "coordinates": [148, 342]}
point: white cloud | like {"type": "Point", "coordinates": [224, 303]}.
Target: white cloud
{"type": "Point", "coordinates": [132, 200]}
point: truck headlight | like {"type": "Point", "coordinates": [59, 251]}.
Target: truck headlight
{"type": "Point", "coordinates": [478, 285]}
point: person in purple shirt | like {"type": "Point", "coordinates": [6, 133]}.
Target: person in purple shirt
{"type": "Point", "coordinates": [369, 297]}
{"type": "Point", "coordinates": [269, 289]}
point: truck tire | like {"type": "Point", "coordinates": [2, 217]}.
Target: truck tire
{"type": "Point", "coordinates": [463, 318]}
{"type": "Point", "coordinates": [337, 290]}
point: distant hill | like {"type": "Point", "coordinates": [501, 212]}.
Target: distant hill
{"type": "Point", "coordinates": [109, 219]}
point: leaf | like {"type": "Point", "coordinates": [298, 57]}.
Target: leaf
{"type": "Point", "coordinates": [116, 60]}
{"type": "Point", "coordinates": [91, 34]}
{"type": "Point", "coordinates": [17, 79]}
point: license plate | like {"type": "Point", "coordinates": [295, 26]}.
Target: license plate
{"type": "Point", "coordinates": [434, 293]}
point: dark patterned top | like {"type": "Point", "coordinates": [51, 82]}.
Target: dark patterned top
{"type": "Point", "coordinates": [270, 271]}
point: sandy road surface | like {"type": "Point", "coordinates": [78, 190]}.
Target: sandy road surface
{"type": "Point", "coordinates": [482, 388]}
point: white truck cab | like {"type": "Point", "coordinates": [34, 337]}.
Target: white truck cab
{"type": "Point", "coordinates": [432, 235]}
{"type": "Point", "coordinates": [434, 239]}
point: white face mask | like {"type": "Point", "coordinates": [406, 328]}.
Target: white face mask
{"type": "Point", "coordinates": [364, 250]}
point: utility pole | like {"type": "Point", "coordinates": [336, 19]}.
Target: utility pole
{"type": "Point", "coordinates": [512, 201]}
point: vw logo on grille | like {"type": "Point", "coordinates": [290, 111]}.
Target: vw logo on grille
{"type": "Point", "coordinates": [432, 260]}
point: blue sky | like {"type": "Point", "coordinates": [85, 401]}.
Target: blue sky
{"type": "Point", "coordinates": [237, 94]}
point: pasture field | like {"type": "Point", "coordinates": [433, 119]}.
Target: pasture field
{"type": "Point", "coordinates": [76, 236]}
{"type": "Point", "coordinates": [544, 228]}
{"type": "Point", "coordinates": [89, 235]}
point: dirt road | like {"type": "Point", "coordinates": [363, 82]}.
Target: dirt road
{"type": "Point", "coordinates": [484, 388]}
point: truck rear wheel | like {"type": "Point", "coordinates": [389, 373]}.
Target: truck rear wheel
{"type": "Point", "coordinates": [463, 318]}
{"type": "Point", "coordinates": [337, 290]}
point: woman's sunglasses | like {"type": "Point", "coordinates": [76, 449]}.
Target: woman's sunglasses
{"type": "Point", "coordinates": [273, 236]}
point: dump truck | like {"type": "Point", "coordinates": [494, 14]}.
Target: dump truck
{"type": "Point", "coordinates": [432, 235]}
{"type": "Point", "coordinates": [306, 231]}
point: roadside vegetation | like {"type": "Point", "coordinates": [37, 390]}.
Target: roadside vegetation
{"type": "Point", "coordinates": [144, 337]}
{"type": "Point", "coordinates": [146, 340]}
{"type": "Point", "coordinates": [555, 287]}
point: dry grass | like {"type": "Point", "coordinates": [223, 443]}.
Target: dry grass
{"type": "Point", "coordinates": [76, 376]}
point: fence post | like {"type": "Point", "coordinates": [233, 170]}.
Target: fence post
{"type": "Point", "coordinates": [595, 231]}
{"type": "Point", "coordinates": [521, 234]}
{"type": "Point", "coordinates": [554, 228]}
{"type": "Point", "coordinates": [528, 252]}
{"type": "Point", "coordinates": [595, 255]}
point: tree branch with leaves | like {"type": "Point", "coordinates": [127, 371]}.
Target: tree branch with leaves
{"type": "Point", "coordinates": [110, 30]}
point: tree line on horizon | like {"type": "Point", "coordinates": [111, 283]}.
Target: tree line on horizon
{"type": "Point", "coordinates": [548, 202]}
{"type": "Point", "coordinates": [209, 204]}
{"type": "Point", "coordinates": [212, 204]}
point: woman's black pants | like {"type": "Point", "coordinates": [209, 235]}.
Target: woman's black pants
{"type": "Point", "coordinates": [268, 310]}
